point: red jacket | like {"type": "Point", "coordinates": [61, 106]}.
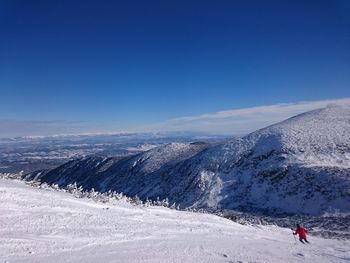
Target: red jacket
{"type": "Point", "coordinates": [301, 232]}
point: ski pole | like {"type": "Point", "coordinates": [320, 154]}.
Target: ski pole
{"type": "Point", "coordinates": [294, 238]}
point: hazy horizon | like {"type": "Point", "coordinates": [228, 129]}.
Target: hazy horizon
{"type": "Point", "coordinates": [234, 122]}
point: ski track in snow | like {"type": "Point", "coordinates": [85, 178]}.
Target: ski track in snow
{"type": "Point", "coordinates": [39, 225]}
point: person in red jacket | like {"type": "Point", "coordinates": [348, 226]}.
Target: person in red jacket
{"type": "Point", "coordinates": [302, 234]}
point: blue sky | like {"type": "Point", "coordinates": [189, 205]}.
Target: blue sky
{"type": "Point", "coordinates": [95, 66]}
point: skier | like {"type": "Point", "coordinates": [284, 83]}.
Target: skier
{"type": "Point", "coordinates": [302, 234]}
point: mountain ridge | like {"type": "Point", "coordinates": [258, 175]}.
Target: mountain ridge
{"type": "Point", "coordinates": [300, 165]}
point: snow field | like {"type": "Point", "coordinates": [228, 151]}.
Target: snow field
{"type": "Point", "coordinates": [39, 225]}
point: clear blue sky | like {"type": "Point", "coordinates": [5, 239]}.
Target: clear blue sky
{"type": "Point", "coordinates": [120, 64]}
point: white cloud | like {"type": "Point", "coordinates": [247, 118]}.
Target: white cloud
{"type": "Point", "coordinates": [228, 122]}
{"type": "Point", "coordinates": [242, 121]}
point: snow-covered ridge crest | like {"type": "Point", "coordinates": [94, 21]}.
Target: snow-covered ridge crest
{"type": "Point", "coordinates": [155, 158]}
{"type": "Point", "coordinates": [319, 137]}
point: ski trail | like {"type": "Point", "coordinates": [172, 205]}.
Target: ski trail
{"type": "Point", "coordinates": [46, 226]}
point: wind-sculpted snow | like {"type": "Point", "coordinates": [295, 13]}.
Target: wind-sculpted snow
{"type": "Point", "coordinates": [301, 165]}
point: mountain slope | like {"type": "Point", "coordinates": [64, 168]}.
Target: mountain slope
{"type": "Point", "coordinates": [301, 165]}
{"type": "Point", "coordinates": [37, 225]}
{"type": "Point", "coordinates": [132, 175]}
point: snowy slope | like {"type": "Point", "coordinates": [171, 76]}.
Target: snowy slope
{"type": "Point", "coordinates": [298, 166]}
{"type": "Point", "coordinates": [317, 138]}
{"type": "Point", "coordinates": [301, 165]}
{"type": "Point", "coordinates": [137, 174]}
{"type": "Point", "coordinates": [38, 225]}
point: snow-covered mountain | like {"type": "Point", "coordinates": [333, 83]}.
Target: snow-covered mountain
{"type": "Point", "coordinates": [29, 154]}
{"type": "Point", "coordinates": [139, 174]}
{"type": "Point", "coordinates": [301, 165]}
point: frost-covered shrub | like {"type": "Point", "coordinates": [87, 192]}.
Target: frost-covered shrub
{"type": "Point", "coordinates": [165, 202]}
{"type": "Point", "coordinates": [10, 176]}
{"type": "Point", "coordinates": [110, 197]}
{"type": "Point", "coordinates": [136, 200]}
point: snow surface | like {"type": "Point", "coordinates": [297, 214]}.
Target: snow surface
{"type": "Point", "coordinates": [39, 225]}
